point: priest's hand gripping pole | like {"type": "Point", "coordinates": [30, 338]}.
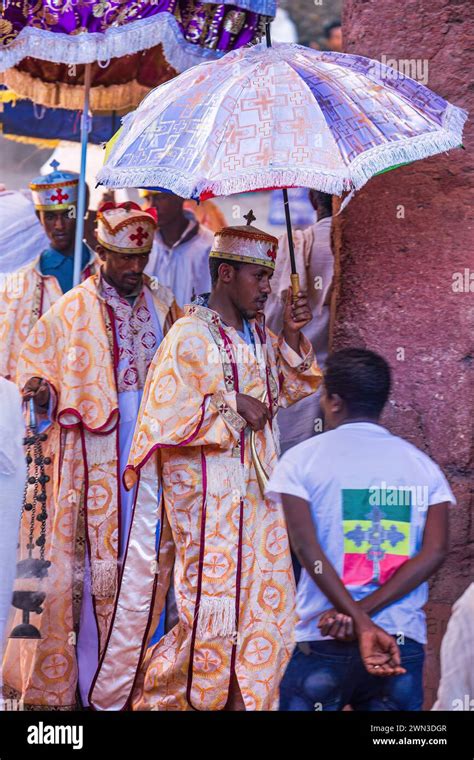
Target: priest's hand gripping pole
{"type": "Point", "coordinates": [294, 277]}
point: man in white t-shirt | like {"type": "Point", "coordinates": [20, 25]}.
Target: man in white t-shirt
{"type": "Point", "coordinates": [367, 514]}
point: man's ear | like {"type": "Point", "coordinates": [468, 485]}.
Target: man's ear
{"type": "Point", "coordinates": [100, 251]}
{"type": "Point", "coordinates": [226, 272]}
{"type": "Point", "coordinates": [335, 402]}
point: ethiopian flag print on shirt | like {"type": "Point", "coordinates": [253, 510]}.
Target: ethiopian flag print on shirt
{"type": "Point", "coordinates": [376, 525]}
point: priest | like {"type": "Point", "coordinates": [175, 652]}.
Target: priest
{"type": "Point", "coordinates": [84, 364]}
{"type": "Point", "coordinates": [207, 430]}
{"type": "Point", "coordinates": [30, 291]}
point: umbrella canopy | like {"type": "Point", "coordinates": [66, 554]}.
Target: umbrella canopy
{"type": "Point", "coordinates": [100, 30]}
{"type": "Point", "coordinates": [190, 30]}
{"type": "Point", "coordinates": [119, 41]}
{"type": "Point", "coordinates": [283, 116]}
{"type": "Point", "coordinates": [119, 85]}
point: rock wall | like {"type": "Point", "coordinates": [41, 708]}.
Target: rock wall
{"type": "Point", "coordinates": [405, 258]}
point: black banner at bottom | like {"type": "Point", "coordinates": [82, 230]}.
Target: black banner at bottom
{"type": "Point", "coordinates": [377, 734]}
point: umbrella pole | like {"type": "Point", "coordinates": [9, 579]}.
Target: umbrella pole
{"type": "Point", "coordinates": [294, 277]}
{"type": "Point", "coordinates": [81, 198]}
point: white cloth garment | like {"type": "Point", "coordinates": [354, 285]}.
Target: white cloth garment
{"type": "Point", "coordinates": [184, 268]}
{"type": "Point", "coordinates": [315, 266]}
{"type": "Point", "coordinates": [22, 238]}
{"type": "Point", "coordinates": [456, 688]}
{"type": "Point", "coordinates": [12, 483]}
{"type": "Point", "coordinates": [369, 493]}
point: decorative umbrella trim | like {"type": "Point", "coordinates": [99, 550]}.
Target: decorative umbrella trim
{"type": "Point", "coordinates": [132, 37]}
{"type": "Point", "coordinates": [381, 157]}
{"type": "Point", "coordinates": [179, 183]}
{"type": "Point", "coordinates": [359, 171]}
{"type": "Point", "coordinates": [114, 97]}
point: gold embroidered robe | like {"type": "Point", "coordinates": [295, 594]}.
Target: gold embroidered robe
{"type": "Point", "coordinates": [233, 574]}
{"type": "Point", "coordinates": [26, 296]}
{"type": "Point", "coordinates": [73, 347]}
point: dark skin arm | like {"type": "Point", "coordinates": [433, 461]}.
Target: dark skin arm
{"type": "Point", "coordinates": [411, 574]}
{"type": "Point", "coordinates": [378, 649]}
{"type": "Point", "coordinates": [420, 567]}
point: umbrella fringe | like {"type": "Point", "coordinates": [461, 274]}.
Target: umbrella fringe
{"type": "Point", "coordinates": [115, 42]}
{"type": "Point", "coordinates": [454, 119]}
{"type": "Point", "coordinates": [359, 171]}
{"type": "Point", "coordinates": [405, 151]}
{"type": "Point", "coordinates": [176, 182]}
{"type": "Point", "coordinates": [180, 184]}
{"type": "Point", "coordinates": [114, 97]}
{"type": "Point", "coordinates": [277, 178]}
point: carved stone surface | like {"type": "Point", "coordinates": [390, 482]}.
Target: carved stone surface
{"type": "Point", "coordinates": [403, 246]}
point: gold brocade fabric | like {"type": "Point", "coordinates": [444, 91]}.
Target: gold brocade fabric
{"type": "Point", "coordinates": [25, 297]}
{"type": "Point", "coordinates": [72, 348]}
{"type": "Point", "coordinates": [230, 543]}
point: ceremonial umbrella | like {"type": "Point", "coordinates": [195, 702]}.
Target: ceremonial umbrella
{"type": "Point", "coordinates": [279, 117]}
{"type": "Point", "coordinates": [98, 30]}
{"type": "Point", "coordinates": [190, 31]}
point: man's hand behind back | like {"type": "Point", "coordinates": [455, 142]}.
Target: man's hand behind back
{"type": "Point", "coordinates": [379, 652]}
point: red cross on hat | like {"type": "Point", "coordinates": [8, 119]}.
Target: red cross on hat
{"type": "Point", "coordinates": [139, 236]}
{"type": "Point", "coordinates": [59, 197]}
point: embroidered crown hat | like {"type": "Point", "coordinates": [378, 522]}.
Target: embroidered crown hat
{"type": "Point", "coordinates": [245, 243]}
{"type": "Point", "coordinates": [56, 191]}
{"type": "Point", "coordinates": [125, 228]}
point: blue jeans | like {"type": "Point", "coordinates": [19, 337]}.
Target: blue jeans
{"type": "Point", "coordinates": [327, 675]}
